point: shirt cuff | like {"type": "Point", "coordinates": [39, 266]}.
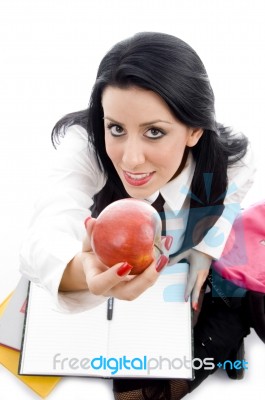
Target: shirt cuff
{"type": "Point", "coordinates": [48, 276]}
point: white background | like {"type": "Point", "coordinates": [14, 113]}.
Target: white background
{"type": "Point", "coordinates": [50, 50]}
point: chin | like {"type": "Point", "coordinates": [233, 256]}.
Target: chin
{"type": "Point", "coordinates": [138, 193]}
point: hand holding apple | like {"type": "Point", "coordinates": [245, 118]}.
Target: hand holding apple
{"type": "Point", "coordinates": [127, 230]}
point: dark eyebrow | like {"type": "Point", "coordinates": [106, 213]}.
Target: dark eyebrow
{"type": "Point", "coordinates": [141, 125]}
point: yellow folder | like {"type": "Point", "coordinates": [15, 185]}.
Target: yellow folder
{"type": "Point", "coordinates": [9, 358]}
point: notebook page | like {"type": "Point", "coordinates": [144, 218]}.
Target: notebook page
{"type": "Point", "coordinates": [57, 343]}
{"type": "Point", "coordinates": [156, 326]}
{"type": "Point", "coordinates": [154, 330]}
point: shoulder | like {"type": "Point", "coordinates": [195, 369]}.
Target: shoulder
{"type": "Point", "coordinates": [75, 143]}
{"type": "Point", "coordinates": [76, 152]}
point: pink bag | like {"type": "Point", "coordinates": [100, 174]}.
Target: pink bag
{"type": "Point", "coordinates": [243, 259]}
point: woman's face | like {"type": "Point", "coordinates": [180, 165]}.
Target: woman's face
{"type": "Point", "coordinates": [144, 140]}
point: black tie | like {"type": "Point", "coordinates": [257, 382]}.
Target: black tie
{"type": "Point", "coordinates": [158, 204]}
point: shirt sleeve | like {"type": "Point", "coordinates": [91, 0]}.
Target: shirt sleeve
{"type": "Point", "coordinates": [56, 230]}
{"type": "Point", "coordinates": [240, 180]}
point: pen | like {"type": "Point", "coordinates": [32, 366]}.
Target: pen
{"type": "Point", "coordinates": [110, 308]}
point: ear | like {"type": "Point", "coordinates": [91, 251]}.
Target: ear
{"type": "Point", "coordinates": [194, 136]}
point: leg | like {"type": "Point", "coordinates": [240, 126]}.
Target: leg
{"type": "Point", "coordinates": [139, 389]}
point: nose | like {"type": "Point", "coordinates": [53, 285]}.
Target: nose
{"type": "Point", "coordinates": [133, 153]}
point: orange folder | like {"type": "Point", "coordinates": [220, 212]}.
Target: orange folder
{"type": "Point", "coordinates": [9, 358]}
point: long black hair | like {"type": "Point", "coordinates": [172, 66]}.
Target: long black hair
{"type": "Point", "coordinates": [171, 68]}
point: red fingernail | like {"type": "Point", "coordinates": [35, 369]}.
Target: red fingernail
{"type": "Point", "coordinates": [161, 262]}
{"type": "Point", "coordinates": [195, 306]}
{"type": "Point", "coordinates": [168, 242]}
{"type": "Point", "coordinates": [86, 220]}
{"type": "Point", "coordinates": [124, 269]}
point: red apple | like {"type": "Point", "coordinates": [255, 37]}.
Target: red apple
{"type": "Point", "coordinates": [127, 230]}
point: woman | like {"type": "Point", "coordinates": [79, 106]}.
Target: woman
{"type": "Point", "coordinates": [149, 133]}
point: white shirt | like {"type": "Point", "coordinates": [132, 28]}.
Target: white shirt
{"type": "Point", "coordinates": [56, 230]}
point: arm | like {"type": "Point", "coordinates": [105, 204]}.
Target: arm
{"type": "Point", "coordinates": [240, 179]}
{"type": "Point", "coordinates": [56, 231]}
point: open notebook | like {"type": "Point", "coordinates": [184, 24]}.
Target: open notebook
{"type": "Point", "coordinates": [11, 326]}
{"type": "Point", "coordinates": [147, 337]}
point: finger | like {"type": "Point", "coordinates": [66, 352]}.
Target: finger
{"type": "Point", "coordinates": [195, 295]}
{"type": "Point", "coordinates": [197, 288]}
{"type": "Point", "coordinates": [89, 224]}
{"type": "Point", "coordinates": [181, 256]}
{"type": "Point", "coordinates": [166, 243]}
{"type": "Point", "coordinates": [101, 283]}
{"type": "Point", "coordinates": [135, 287]}
{"type": "Point", "coordinates": [192, 277]}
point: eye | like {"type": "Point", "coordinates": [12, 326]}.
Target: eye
{"type": "Point", "coordinates": [154, 133]}
{"type": "Point", "coordinates": [115, 130]}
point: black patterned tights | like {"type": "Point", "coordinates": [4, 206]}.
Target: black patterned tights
{"type": "Point", "coordinates": [158, 389]}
